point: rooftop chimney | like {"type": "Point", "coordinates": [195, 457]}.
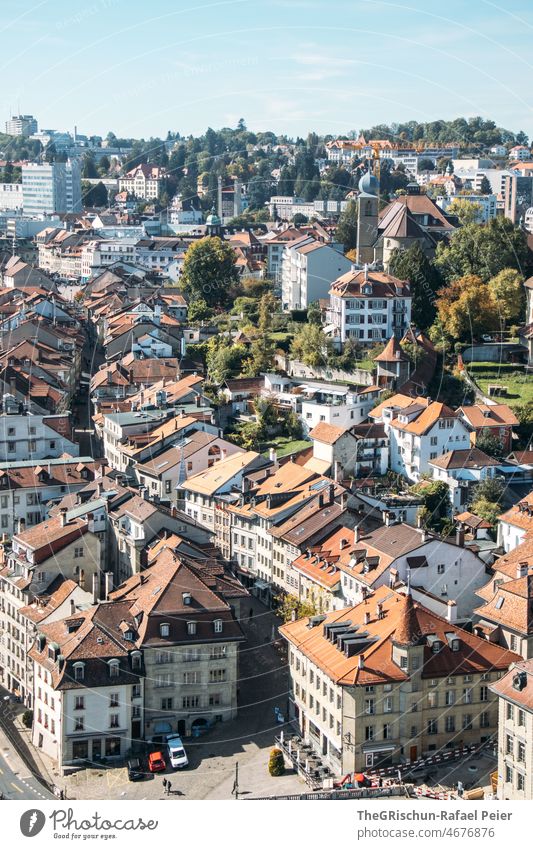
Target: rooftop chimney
{"type": "Point", "coordinates": [356, 534]}
{"type": "Point", "coordinates": [367, 617]}
{"type": "Point", "coordinates": [63, 516]}
{"type": "Point", "coordinates": [361, 661]}
{"type": "Point", "coordinates": [451, 612]}
{"type": "Point", "coordinates": [331, 491]}
{"type": "Point", "coordinates": [522, 569]}
{"type": "Point", "coordinates": [108, 578]}
{"type": "Point", "coordinates": [72, 607]}
{"type": "Point", "coordinates": [460, 536]}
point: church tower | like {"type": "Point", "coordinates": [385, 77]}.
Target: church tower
{"type": "Point", "coordinates": [367, 218]}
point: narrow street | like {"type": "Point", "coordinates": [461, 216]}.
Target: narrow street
{"type": "Point", "coordinates": [20, 776]}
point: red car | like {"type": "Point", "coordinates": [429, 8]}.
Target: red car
{"type": "Point", "coordinates": [156, 762]}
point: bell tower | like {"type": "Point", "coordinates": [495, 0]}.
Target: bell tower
{"type": "Point", "coordinates": [367, 218]}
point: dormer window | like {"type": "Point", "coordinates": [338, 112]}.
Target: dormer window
{"type": "Point", "coordinates": [164, 629]}
{"type": "Point", "coordinates": [218, 626]}
{"type": "Point", "coordinates": [136, 660]}
{"type": "Point", "coordinates": [114, 668]}
{"type": "Point", "coordinates": [191, 628]}
{"type": "Point", "coordinates": [79, 671]}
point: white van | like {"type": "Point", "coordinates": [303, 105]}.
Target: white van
{"type": "Point", "coordinates": [176, 752]}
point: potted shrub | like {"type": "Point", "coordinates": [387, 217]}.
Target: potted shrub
{"type": "Point", "coordinates": [276, 763]}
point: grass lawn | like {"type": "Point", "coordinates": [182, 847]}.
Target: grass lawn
{"type": "Point", "coordinates": [519, 384]}
{"type": "Point", "coordinates": [282, 336]}
{"type": "Point", "coordinates": [284, 445]}
{"type": "Point", "coordinates": [366, 364]}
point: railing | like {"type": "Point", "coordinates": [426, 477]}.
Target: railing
{"type": "Point", "coordinates": [353, 793]}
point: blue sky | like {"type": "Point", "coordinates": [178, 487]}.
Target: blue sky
{"type": "Point", "coordinates": [140, 68]}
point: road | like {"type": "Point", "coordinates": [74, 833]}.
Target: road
{"type": "Point", "coordinates": [19, 774]}
{"type": "Point", "coordinates": [16, 781]}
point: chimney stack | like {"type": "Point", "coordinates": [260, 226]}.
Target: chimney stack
{"type": "Point", "coordinates": [522, 569]}
{"type": "Point", "coordinates": [108, 579]}
{"type": "Point", "coordinates": [63, 516]}
{"type": "Point", "coordinates": [460, 536]}
{"type": "Point", "coordinates": [356, 534]}
{"type": "Point", "coordinates": [72, 607]}
{"type": "Point", "coordinates": [367, 617]}
{"type": "Point", "coordinates": [332, 493]}
{"type": "Point", "coordinates": [96, 587]}
{"type": "Point", "coordinates": [361, 661]}
{"type": "Point", "coordinates": [451, 612]}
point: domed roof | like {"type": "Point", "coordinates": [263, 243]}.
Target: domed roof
{"type": "Point", "coordinates": [368, 184]}
{"type": "Point", "coordinates": [212, 219]}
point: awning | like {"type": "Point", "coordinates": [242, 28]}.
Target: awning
{"type": "Point", "coordinates": [378, 747]}
{"type": "Point", "coordinates": [162, 728]}
{"type": "Point", "coordinates": [261, 585]}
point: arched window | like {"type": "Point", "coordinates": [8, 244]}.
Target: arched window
{"type": "Point", "coordinates": [164, 629]}
{"type": "Point", "coordinates": [114, 668]}
{"type": "Point", "coordinates": [79, 671]}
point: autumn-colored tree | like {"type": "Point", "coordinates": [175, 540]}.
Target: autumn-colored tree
{"type": "Point", "coordinates": [508, 293]}
{"type": "Point", "coordinates": [466, 308]}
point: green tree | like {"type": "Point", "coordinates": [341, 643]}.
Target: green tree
{"type": "Point", "coordinates": [508, 292]}
{"type": "Point", "coordinates": [466, 211]}
{"type": "Point", "coordinates": [209, 271]}
{"type": "Point", "coordinates": [314, 315]}
{"type": "Point", "coordinates": [485, 509]}
{"type": "Point", "coordinates": [310, 346]}
{"type": "Point", "coordinates": [94, 195]}
{"type": "Point", "coordinates": [436, 497]}
{"type": "Point", "coordinates": [347, 227]}
{"type": "Point", "coordinates": [490, 489]}
{"type": "Point", "coordinates": [198, 310]}
{"type": "Point", "coordinates": [413, 265]}
{"type": "Point", "coordinates": [485, 187]}
{"type": "Point", "coordinates": [299, 219]}
{"type": "Point", "coordinates": [88, 169]}
{"type": "Point", "coordinates": [27, 718]}
{"type": "Point", "coordinates": [267, 309]}
{"type": "Point", "coordinates": [261, 357]}
{"type": "Point", "coordinates": [289, 605]}
{"type": "Point", "coordinates": [224, 359]}
{"type": "Point", "coordinates": [490, 444]}
{"type": "Point", "coordinates": [483, 250]}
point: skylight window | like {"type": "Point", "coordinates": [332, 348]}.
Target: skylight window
{"type": "Point", "coordinates": [499, 603]}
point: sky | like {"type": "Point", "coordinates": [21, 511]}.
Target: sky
{"type": "Point", "coordinates": [142, 68]}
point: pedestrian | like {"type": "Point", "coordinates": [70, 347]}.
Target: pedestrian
{"type": "Point", "coordinates": [165, 782]}
{"type": "Point", "coordinates": [169, 785]}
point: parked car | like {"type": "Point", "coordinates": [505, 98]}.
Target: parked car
{"type": "Point", "coordinates": [156, 762]}
{"type": "Point", "coordinates": [135, 770]}
{"type": "Point", "coordinates": [176, 752]}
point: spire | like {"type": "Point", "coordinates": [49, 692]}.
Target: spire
{"type": "Point", "coordinates": [407, 632]}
